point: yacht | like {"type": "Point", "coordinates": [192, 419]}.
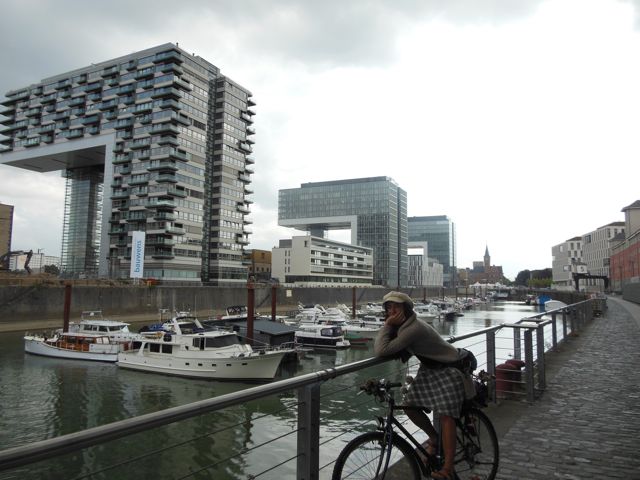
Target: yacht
{"type": "Point", "coordinates": [321, 336]}
{"type": "Point", "coordinates": [183, 347]}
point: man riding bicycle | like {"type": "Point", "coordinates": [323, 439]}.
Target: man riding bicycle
{"type": "Point", "coordinates": [438, 385]}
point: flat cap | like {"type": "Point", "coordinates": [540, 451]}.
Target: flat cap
{"type": "Point", "coordinates": [397, 297]}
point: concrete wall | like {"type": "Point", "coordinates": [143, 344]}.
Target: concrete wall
{"type": "Point", "coordinates": [631, 292]}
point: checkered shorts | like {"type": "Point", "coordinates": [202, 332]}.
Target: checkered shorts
{"type": "Point", "coordinates": [441, 390]}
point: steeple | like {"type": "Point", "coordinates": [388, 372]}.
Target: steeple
{"type": "Point", "coordinates": [487, 258]}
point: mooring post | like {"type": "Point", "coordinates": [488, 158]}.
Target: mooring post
{"type": "Point", "coordinates": [274, 298]}
{"type": "Point", "coordinates": [251, 302]}
{"type": "Point", "coordinates": [67, 307]}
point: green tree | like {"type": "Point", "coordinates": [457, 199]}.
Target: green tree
{"type": "Point", "coordinates": [52, 269]}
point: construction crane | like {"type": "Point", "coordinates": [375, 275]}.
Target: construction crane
{"type": "Point", "coordinates": [4, 259]}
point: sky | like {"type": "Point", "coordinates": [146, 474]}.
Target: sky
{"type": "Point", "coordinates": [516, 119]}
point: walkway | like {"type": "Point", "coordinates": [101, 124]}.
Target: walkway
{"type": "Point", "coordinates": [587, 423]}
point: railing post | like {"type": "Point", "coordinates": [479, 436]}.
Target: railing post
{"type": "Point", "coordinates": [528, 364]}
{"type": "Point", "coordinates": [542, 381]}
{"type": "Point", "coordinates": [572, 320]}
{"type": "Point", "coordinates": [554, 331]}
{"type": "Point", "coordinates": [491, 361]}
{"type": "Point", "coordinates": [308, 432]}
{"type": "Point", "coordinates": [517, 348]}
{"type": "Point", "coordinates": [564, 325]}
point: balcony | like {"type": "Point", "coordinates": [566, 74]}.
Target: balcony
{"type": "Point", "coordinates": [172, 55]}
{"type": "Point", "coordinates": [245, 146]}
{"type": "Point", "coordinates": [166, 92]}
{"type": "Point", "coordinates": [241, 239]}
{"type": "Point", "coordinates": [162, 165]}
{"type": "Point", "coordinates": [160, 241]}
{"type": "Point", "coordinates": [121, 158]}
{"type": "Point", "coordinates": [162, 254]}
{"type": "Point", "coordinates": [162, 203]}
{"type": "Point", "coordinates": [166, 177]}
{"type": "Point", "coordinates": [243, 209]}
{"type": "Point", "coordinates": [120, 194]}
{"type": "Point", "coordinates": [167, 140]}
{"type": "Point", "coordinates": [164, 216]}
{"type": "Point", "coordinates": [172, 68]}
{"type": "Point", "coordinates": [246, 117]}
{"type": "Point", "coordinates": [176, 230]}
{"type": "Point", "coordinates": [165, 128]}
{"type": "Point", "coordinates": [244, 178]}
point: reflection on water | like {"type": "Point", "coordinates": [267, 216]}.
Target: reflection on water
{"type": "Point", "coordinates": [44, 398]}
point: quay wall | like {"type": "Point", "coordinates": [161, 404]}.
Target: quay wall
{"type": "Point", "coordinates": [45, 301]}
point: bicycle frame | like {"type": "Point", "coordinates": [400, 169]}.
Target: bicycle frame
{"type": "Point", "coordinates": [387, 426]}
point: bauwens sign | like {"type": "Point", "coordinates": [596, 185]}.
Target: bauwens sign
{"type": "Point", "coordinates": [137, 254]}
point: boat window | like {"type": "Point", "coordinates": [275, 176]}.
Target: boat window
{"type": "Point", "coordinates": [188, 328]}
{"type": "Point", "coordinates": [154, 347]}
{"type": "Point", "coordinates": [197, 343]}
{"type": "Point", "coordinates": [136, 345]}
{"type": "Point", "coordinates": [103, 328]}
{"type": "Point", "coordinates": [221, 341]}
{"type": "Point", "coordinates": [167, 348]}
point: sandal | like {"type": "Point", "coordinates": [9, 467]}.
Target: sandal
{"type": "Point", "coordinates": [442, 475]}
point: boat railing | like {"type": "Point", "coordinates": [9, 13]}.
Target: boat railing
{"type": "Point", "coordinates": [324, 414]}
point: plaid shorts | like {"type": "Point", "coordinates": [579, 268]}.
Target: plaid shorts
{"type": "Point", "coordinates": [440, 390]}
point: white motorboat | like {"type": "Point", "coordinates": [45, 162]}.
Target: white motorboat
{"type": "Point", "coordinates": [78, 346]}
{"type": "Point", "coordinates": [354, 332]}
{"type": "Point", "coordinates": [321, 336]}
{"type": "Point", "coordinates": [427, 312]}
{"type": "Point", "coordinates": [184, 348]}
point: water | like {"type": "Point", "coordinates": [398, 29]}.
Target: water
{"type": "Point", "coordinates": [43, 397]}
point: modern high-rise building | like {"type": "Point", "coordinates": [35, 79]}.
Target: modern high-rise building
{"type": "Point", "coordinates": [440, 234]}
{"type": "Point", "coordinates": [375, 209]}
{"type": "Point", "coordinates": [156, 141]}
{"type": "Point", "coordinates": [6, 227]}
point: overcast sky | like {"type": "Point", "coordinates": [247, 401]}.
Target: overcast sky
{"type": "Point", "coordinates": [517, 119]}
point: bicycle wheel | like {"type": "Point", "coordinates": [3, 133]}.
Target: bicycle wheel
{"type": "Point", "coordinates": [477, 451]}
{"type": "Point", "coordinates": [362, 457]}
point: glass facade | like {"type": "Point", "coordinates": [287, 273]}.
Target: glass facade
{"type": "Point", "coordinates": [181, 164]}
{"type": "Point", "coordinates": [82, 226]}
{"type": "Point", "coordinates": [440, 233]}
{"type": "Point", "coordinates": [375, 207]}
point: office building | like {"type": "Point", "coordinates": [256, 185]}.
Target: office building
{"type": "Point", "coordinates": [422, 270]}
{"type": "Point", "coordinates": [374, 209]}
{"type": "Point", "coordinates": [596, 250]}
{"type": "Point", "coordinates": [6, 228]}
{"type": "Point", "coordinates": [566, 260]}
{"type": "Point", "coordinates": [440, 234]}
{"type": "Point", "coordinates": [155, 141]}
{"type": "Point", "coordinates": [309, 261]}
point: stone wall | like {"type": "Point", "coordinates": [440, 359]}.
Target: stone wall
{"type": "Point", "coordinates": [631, 292]}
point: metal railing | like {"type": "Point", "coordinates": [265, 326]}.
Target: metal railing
{"type": "Point", "coordinates": [528, 342]}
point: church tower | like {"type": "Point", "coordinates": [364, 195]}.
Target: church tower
{"type": "Point", "coordinates": [487, 259]}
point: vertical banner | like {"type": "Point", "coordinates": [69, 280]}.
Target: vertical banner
{"type": "Point", "coordinates": [137, 254]}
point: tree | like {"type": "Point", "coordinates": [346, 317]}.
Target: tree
{"type": "Point", "coordinates": [52, 269]}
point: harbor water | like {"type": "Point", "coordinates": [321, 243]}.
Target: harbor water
{"type": "Point", "coordinates": [43, 398]}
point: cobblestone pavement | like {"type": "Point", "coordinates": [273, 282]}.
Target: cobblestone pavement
{"type": "Point", "coordinates": [587, 423]}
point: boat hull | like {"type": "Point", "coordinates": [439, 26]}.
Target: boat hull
{"type": "Point", "coordinates": [250, 367]}
{"type": "Point", "coordinates": [37, 346]}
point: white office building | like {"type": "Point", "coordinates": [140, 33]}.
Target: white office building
{"type": "Point", "coordinates": [566, 259]}
{"type": "Point", "coordinates": [309, 261]}
{"type": "Point", "coordinates": [424, 271]}
{"type": "Point", "coordinates": [596, 248]}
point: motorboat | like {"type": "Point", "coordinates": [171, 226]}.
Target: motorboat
{"type": "Point", "coordinates": [427, 312]}
{"type": "Point", "coordinates": [183, 347]}
{"type": "Point", "coordinates": [355, 333]}
{"type": "Point", "coordinates": [78, 346]}
{"type": "Point", "coordinates": [321, 336]}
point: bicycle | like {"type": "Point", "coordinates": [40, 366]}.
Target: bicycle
{"type": "Point", "coordinates": [371, 455]}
